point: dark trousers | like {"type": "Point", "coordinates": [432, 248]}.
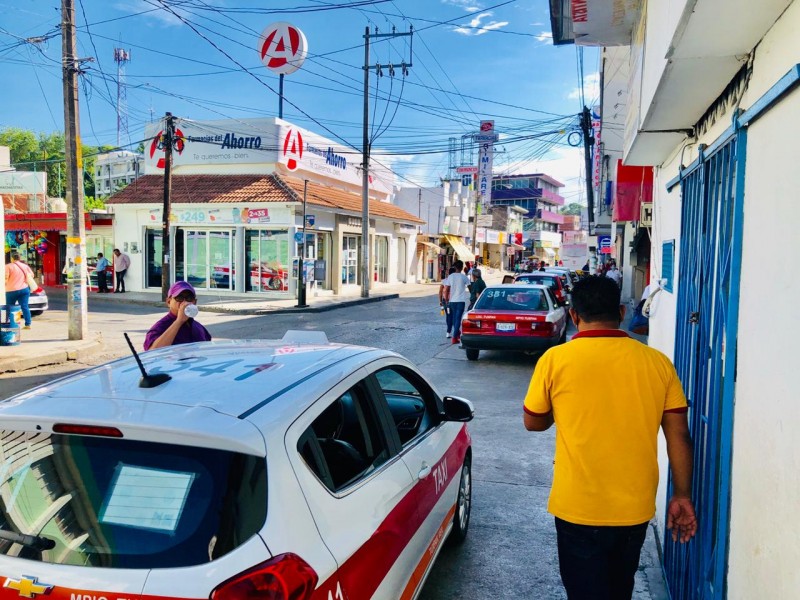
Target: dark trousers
{"type": "Point", "coordinates": [599, 563]}
{"type": "Point", "coordinates": [102, 286]}
{"type": "Point", "coordinates": [448, 317]}
{"type": "Point", "coordinates": [120, 287]}
{"type": "Point", "coordinates": [22, 296]}
{"type": "Point", "coordinates": [457, 311]}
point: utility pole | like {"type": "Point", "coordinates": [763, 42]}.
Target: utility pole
{"type": "Point", "coordinates": [167, 141]}
{"type": "Point", "coordinates": [77, 313]}
{"type": "Point", "coordinates": [588, 142]}
{"type": "Point", "coordinates": [475, 224]}
{"type": "Point", "coordinates": [419, 209]}
{"type": "Point", "coordinates": [403, 66]}
{"type": "Point", "coordinates": [301, 276]}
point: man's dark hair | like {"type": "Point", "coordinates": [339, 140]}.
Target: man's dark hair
{"type": "Point", "coordinates": [458, 265]}
{"type": "Point", "coordinates": [99, 254]}
{"type": "Point", "coordinates": [596, 298]}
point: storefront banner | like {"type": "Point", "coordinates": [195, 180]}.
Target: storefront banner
{"type": "Point", "coordinates": [302, 152]}
{"type": "Point", "coordinates": [23, 182]}
{"type": "Point", "coordinates": [485, 157]}
{"type": "Point", "coordinates": [480, 235]}
{"type": "Point", "coordinates": [230, 215]}
{"type": "Point", "coordinates": [492, 236]}
{"type": "Point", "coordinates": [208, 143]}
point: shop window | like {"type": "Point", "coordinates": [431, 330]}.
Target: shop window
{"type": "Point", "coordinates": [350, 274]}
{"type": "Point", "coordinates": [267, 257]}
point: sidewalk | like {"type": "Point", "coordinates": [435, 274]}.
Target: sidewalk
{"type": "Point", "coordinates": [46, 342]}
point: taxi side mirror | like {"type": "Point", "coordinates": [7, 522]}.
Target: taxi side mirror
{"type": "Point", "coordinates": [457, 409]}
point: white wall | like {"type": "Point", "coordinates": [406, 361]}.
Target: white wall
{"type": "Point", "coordinates": [764, 552]}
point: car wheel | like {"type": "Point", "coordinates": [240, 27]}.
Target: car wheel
{"type": "Point", "coordinates": [472, 353]}
{"type": "Point", "coordinates": [463, 504]}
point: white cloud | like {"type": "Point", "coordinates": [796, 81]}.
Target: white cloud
{"type": "Point", "coordinates": [475, 28]}
{"type": "Point", "coordinates": [545, 36]}
{"type": "Point", "coordinates": [565, 164]}
{"type": "Point", "coordinates": [151, 11]}
{"type": "Point", "coordinates": [591, 89]}
{"type": "Point", "coordinates": [467, 5]}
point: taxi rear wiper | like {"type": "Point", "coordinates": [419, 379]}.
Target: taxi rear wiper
{"type": "Point", "coordinates": [37, 542]}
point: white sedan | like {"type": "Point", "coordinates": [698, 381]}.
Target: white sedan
{"type": "Point", "coordinates": [272, 469]}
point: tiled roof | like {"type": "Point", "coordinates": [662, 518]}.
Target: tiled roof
{"type": "Point", "coordinates": [323, 195]}
{"type": "Point", "coordinates": [213, 189]}
{"type": "Point", "coordinates": [202, 189]}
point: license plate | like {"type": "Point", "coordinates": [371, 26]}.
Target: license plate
{"type": "Point", "coordinates": [506, 326]}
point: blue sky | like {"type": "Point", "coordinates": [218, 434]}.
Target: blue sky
{"type": "Point", "coordinates": [471, 61]}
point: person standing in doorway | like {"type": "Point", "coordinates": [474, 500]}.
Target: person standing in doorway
{"type": "Point", "coordinates": [121, 264]}
{"type": "Point", "coordinates": [17, 288]}
{"type": "Point", "coordinates": [606, 461]}
{"type": "Point", "coordinates": [100, 271]}
{"type": "Point", "coordinates": [455, 293]}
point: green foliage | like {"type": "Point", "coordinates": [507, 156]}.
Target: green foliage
{"type": "Point", "coordinates": [573, 208]}
{"type": "Point", "coordinates": [90, 202]}
{"type": "Point", "coordinates": [46, 152]}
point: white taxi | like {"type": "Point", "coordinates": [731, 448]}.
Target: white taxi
{"type": "Point", "coordinates": [270, 470]}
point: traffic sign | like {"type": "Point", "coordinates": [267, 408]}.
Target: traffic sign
{"type": "Point", "coordinates": [310, 219]}
{"type": "Point", "coordinates": [604, 242]}
{"type": "Point", "coordinates": [298, 237]}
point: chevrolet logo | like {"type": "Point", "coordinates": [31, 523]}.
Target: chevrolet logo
{"type": "Point", "coordinates": [28, 587]}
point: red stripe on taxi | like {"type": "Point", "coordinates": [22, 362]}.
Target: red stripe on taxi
{"type": "Point", "coordinates": [363, 572]}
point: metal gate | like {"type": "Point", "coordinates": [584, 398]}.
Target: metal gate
{"type": "Point", "coordinates": [705, 356]}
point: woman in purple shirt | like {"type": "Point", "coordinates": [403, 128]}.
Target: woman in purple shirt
{"type": "Point", "coordinates": [177, 327]}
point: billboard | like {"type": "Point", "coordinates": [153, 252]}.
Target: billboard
{"type": "Point", "coordinates": [485, 158]}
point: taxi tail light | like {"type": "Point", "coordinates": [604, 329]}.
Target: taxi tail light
{"type": "Point", "coordinates": [471, 324]}
{"type": "Point", "coordinates": [285, 577]}
{"type": "Point", "coordinates": [77, 429]}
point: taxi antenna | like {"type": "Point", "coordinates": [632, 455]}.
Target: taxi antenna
{"type": "Point", "coordinates": [147, 381]}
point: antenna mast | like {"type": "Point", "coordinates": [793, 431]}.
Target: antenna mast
{"type": "Point", "coordinates": [121, 57]}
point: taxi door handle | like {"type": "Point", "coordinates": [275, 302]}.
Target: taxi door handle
{"type": "Point", "coordinates": [424, 471]}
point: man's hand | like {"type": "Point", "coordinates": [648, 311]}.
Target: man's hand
{"type": "Point", "coordinates": [181, 316]}
{"type": "Point", "coordinates": [681, 519]}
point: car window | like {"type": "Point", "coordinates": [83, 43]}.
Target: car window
{"type": "Point", "coordinates": [411, 401]}
{"type": "Point", "coordinates": [553, 302]}
{"type": "Point", "coordinates": [345, 442]}
{"type": "Point", "coordinates": [118, 503]}
{"type": "Point", "coordinates": [511, 299]}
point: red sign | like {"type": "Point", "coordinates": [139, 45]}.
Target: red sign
{"type": "Point", "coordinates": [487, 125]}
{"type": "Point", "coordinates": [462, 170]}
{"type": "Point", "coordinates": [293, 148]}
{"type": "Point", "coordinates": [158, 139]}
{"type": "Point", "coordinates": [283, 48]}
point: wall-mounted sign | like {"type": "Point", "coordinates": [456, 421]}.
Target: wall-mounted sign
{"type": "Point", "coordinates": [646, 214]}
{"type": "Point", "coordinates": [462, 170]}
{"type": "Point", "coordinates": [485, 157]}
{"type": "Point", "coordinates": [282, 47]}
{"type": "Point", "coordinates": [604, 242]}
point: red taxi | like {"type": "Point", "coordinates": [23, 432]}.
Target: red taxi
{"type": "Point", "coordinates": [514, 317]}
{"type": "Point", "coordinates": [551, 280]}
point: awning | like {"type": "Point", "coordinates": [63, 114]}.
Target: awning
{"type": "Point", "coordinates": [463, 251]}
{"type": "Point", "coordinates": [549, 251]}
{"type": "Point", "coordinates": [41, 221]}
{"type": "Point", "coordinates": [430, 245]}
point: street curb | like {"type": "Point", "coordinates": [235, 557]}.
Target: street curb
{"type": "Point", "coordinates": [77, 351]}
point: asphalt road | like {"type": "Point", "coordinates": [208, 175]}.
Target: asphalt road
{"type": "Point", "coordinates": [510, 551]}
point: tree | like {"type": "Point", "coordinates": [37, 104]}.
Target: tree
{"type": "Point", "coordinates": [573, 208]}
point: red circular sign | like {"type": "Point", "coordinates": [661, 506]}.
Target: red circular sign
{"type": "Point", "coordinates": [282, 47]}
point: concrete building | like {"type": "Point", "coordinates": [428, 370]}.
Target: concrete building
{"type": "Point", "coordinates": [237, 213]}
{"type": "Point", "coordinates": [539, 195]}
{"type": "Point", "coordinates": [114, 170]}
{"type": "Point", "coordinates": [710, 103]}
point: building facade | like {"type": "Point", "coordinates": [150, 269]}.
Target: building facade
{"type": "Point", "coordinates": [114, 170]}
{"type": "Point", "coordinates": [711, 94]}
{"type": "Point", "coordinates": [237, 220]}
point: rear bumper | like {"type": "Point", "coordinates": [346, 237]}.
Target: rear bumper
{"type": "Point", "coordinates": [507, 342]}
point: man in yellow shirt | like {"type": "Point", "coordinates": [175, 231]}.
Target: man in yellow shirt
{"type": "Point", "coordinates": [606, 461]}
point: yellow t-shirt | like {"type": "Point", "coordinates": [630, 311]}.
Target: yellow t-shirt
{"type": "Point", "coordinates": [607, 393]}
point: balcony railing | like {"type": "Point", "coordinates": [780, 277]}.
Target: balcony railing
{"type": "Point", "coordinates": [552, 198]}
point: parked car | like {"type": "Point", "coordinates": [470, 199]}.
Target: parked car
{"type": "Point", "coordinates": [565, 274]}
{"type": "Point", "coordinates": [552, 280]}
{"type": "Point", "coordinates": [515, 316]}
{"type": "Point", "coordinates": [285, 469]}
{"type": "Point", "coordinates": [37, 302]}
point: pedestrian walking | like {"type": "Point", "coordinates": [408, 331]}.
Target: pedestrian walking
{"type": "Point", "coordinates": [448, 315]}
{"type": "Point", "coordinates": [18, 289]}
{"type": "Point", "coordinates": [614, 274]}
{"type": "Point", "coordinates": [121, 264]}
{"type": "Point", "coordinates": [475, 288]}
{"type": "Point", "coordinates": [455, 293]}
{"type": "Point", "coordinates": [606, 467]}
{"type": "Point", "coordinates": [178, 326]}
{"type": "Point", "coordinates": [100, 271]}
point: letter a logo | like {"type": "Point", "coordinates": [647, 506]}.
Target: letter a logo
{"type": "Point", "coordinates": [292, 149]}
{"type": "Point", "coordinates": [283, 48]}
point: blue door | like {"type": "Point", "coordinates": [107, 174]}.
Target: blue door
{"type": "Point", "coordinates": [705, 356]}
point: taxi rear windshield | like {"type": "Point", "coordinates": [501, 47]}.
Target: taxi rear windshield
{"type": "Point", "coordinates": [90, 501]}
{"type": "Point", "coordinates": [512, 299]}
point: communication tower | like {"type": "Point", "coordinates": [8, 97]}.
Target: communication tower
{"type": "Point", "coordinates": [121, 57]}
